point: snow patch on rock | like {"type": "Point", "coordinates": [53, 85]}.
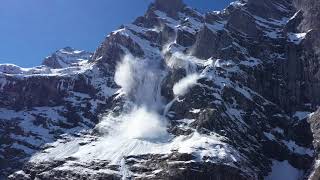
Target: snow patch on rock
{"type": "Point", "coordinates": [283, 170]}
{"type": "Point", "coordinates": [296, 37]}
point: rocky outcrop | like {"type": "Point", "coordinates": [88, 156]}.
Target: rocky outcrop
{"type": "Point", "coordinates": [314, 121]}
{"type": "Point", "coordinates": [42, 91]}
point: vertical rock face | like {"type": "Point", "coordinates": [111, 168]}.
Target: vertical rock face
{"type": "Point", "coordinates": [310, 22]}
{"type": "Point", "coordinates": [233, 91]}
{"type": "Point", "coordinates": [314, 120]}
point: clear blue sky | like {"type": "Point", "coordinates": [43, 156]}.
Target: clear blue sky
{"type": "Point", "coordinates": [32, 29]}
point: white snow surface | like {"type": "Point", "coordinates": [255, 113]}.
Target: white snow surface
{"type": "Point", "coordinates": [296, 37]}
{"type": "Point", "coordinates": [68, 56]}
{"type": "Point", "coordinates": [300, 115]}
{"type": "Point", "coordinates": [284, 171]}
{"type": "Point", "coordinates": [19, 72]}
{"type": "Point", "coordinates": [292, 146]}
{"type": "Point", "coordinates": [72, 61]}
{"type": "Point", "coordinates": [115, 147]}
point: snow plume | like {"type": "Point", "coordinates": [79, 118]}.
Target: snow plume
{"type": "Point", "coordinates": [182, 87]}
{"type": "Point", "coordinates": [123, 74]}
{"type": "Point", "coordinates": [144, 124]}
{"type": "Point", "coordinates": [140, 80]}
{"type": "Point", "coordinates": [180, 60]}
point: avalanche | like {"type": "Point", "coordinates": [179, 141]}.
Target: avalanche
{"type": "Point", "coordinates": [142, 128]}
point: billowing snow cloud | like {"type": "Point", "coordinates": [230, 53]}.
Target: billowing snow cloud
{"type": "Point", "coordinates": [182, 87]}
{"type": "Point", "coordinates": [140, 80]}
{"type": "Point", "coordinates": [144, 124]}
{"type": "Point", "coordinates": [123, 75]}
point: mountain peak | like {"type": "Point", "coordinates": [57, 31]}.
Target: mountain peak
{"type": "Point", "coordinates": [65, 57]}
{"type": "Point", "coordinates": [68, 48]}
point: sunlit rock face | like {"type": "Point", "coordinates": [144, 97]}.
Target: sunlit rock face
{"type": "Point", "coordinates": [177, 94]}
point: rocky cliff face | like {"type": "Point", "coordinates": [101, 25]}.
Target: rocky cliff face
{"type": "Point", "coordinates": [177, 94]}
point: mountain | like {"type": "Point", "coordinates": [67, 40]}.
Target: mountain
{"type": "Point", "coordinates": [65, 57]}
{"type": "Point", "coordinates": [177, 94]}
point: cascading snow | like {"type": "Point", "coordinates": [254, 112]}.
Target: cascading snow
{"type": "Point", "coordinates": [141, 127]}
{"type": "Point", "coordinates": [140, 80]}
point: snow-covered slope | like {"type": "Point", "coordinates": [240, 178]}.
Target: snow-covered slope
{"type": "Point", "coordinates": [177, 94]}
{"type": "Point", "coordinates": [63, 61]}
{"type": "Point", "coordinates": [14, 70]}
{"type": "Point", "coordinates": [66, 57]}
